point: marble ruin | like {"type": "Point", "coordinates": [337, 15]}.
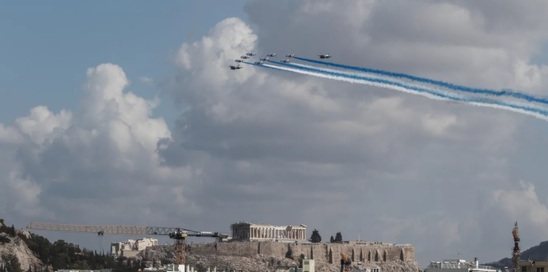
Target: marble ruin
{"type": "Point", "coordinates": [244, 231]}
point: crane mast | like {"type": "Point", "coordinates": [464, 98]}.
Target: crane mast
{"type": "Point", "coordinates": [178, 234]}
{"type": "Point", "coordinates": [516, 252]}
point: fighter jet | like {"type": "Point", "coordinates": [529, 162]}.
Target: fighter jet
{"type": "Point", "coordinates": [238, 60]}
{"type": "Point", "coordinates": [250, 54]}
{"type": "Point", "coordinates": [271, 54]}
{"type": "Point", "coordinates": [264, 59]}
{"type": "Point", "coordinates": [244, 57]}
{"type": "Point", "coordinates": [324, 56]}
{"type": "Point", "coordinates": [285, 60]}
{"type": "Point", "coordinates": [259, 62]}
{"type": "Point", "coordinates": [235, 67]}
{"type": "Point", "coordinates": [289, 55]}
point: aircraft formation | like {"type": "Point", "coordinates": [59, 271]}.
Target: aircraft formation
{"type": "Point", "coordinates": [505, 99]}
{"type": "Point", "coordinates": [266, 58]}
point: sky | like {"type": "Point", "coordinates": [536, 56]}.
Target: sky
{"type": "Point", "coordinates": [126, 113]}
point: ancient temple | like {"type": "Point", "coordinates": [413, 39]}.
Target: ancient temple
{"type": "Point", "coordinates": [244, 231]}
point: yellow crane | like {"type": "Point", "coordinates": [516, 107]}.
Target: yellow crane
{"type": "Point", "coordinates": [176, 233]}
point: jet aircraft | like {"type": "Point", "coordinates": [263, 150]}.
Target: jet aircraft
{"type": "Point", "coordinates": [285, 60]}
{"type": "Point", "coordinates": [289, 55]}
{"type": "Point", "coordinates": [235, 67]}
{"type": "Point", "coordinates": [238, 60]}
{"type": "Point", "coordinates": [324, 56]}
{"type": "Point", "coordinates": [264, 59]}
{"type": "Point", "coordinates": [244, 57]}
{"type": "Point", "coordinates": [271, 54]}
{"type": "Point", "coordinates": [251, 54]}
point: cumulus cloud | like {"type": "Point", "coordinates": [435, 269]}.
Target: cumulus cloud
{"type": "Point", "coordinates": [96, 161]}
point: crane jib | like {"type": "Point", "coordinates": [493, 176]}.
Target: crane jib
{"type": "Point", "coordinates": [119, 229]}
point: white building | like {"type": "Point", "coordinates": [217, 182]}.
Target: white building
{"type": "Point", "coordinates": [458, 266]}
{"type": "Point", "coordinates": [309, 265]}
{"type": "Point", "coordinates": [131, 248]}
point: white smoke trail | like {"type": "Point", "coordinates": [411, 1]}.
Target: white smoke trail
{"type": "Point", "coordinates": [422, 90]}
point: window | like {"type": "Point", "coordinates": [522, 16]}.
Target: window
{"type": "Point", "coordinates": [540, 269]}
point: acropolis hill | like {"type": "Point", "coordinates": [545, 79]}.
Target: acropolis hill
{"type": "Point", "coordinates": [260, 247]}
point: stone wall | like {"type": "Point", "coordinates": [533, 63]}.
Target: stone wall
{"type": "Point", "coordinates": [323, 252]}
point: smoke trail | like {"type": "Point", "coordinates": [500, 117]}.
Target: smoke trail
{"type": "Point", "coordinates": [358, 74]}
{"type": "Point", "coordinates": [377, 82]}
{"type": "Point", "coordinates": [430, 93]}
{"type": "Point", "coordinates": [509, 93]}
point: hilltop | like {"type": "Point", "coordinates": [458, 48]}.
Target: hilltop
{"type": "Point", "coordinates": [539, 252]}
{"type": "Point", "coordinates": [21, 251]}
{"type": "Point", "coordinates": [268, 255]}
{"type": "Point", "coordinates": [14, 252]}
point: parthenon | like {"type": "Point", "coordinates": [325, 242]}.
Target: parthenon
{"type": "Point", "coordinates": [244, 231]}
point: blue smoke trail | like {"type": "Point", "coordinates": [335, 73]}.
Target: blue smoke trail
{"type": "Point", "coordinates": [543, 114]}
{"type": "Point", "coordinates": [526, 97]}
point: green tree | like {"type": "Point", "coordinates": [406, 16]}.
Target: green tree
{"type": "Point", "coordinates": [289, 253]}
{"type": "Point", "coordinates": [11, 263]}
{"type": "Point", "coordinates": [316, 237]}
{"type": "Point", "coordinates": [12, 231]}
{"type": "Point", "coordinates": [301, 259]}
{"type": "Point", "coordinates": [338, 238]}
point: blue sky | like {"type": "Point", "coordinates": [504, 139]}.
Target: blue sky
{"type": "Point", "coordinates": [47, 46]}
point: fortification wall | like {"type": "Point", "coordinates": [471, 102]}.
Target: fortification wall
{"type": "Point", "coordinates": [323, 252]}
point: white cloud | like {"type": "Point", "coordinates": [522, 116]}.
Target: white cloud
{"type": "Point", "coordinates": [103, 156]}
{"type": "Point", "coordinates": [522, 204]}
{"type": "Point", "coordinates": [42, 126]}
{"type": "Point", "coordinates": [146, 80]}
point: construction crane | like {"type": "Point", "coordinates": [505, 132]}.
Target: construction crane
{"type": "Point", "coordinates": [178, 234]}
{"type": "Point", "coordinates": [516, 253]}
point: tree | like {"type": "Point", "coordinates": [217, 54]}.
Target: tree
{"type": "Point", "coordinates": [332, 240]}
{"type": "Point", "coordinates": [289, 253]}
{"type": "Point", "coordinates": [338, 238]}
{"type": "Point", "coordinates": [12, 231]}
{"type": "Point", "coordinates": [315, 238]}
{"type": "Point", "coordinates": [11, 263]}
{"type": "Point", "coordinates": [301, 259]}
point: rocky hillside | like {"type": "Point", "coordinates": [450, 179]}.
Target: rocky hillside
{"type": "Point", "coordinates": [260, 262]}
{"type": "Point", "coordinates": [21, 251]}
{"type": "Point", "coordinates": [12, 245]}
